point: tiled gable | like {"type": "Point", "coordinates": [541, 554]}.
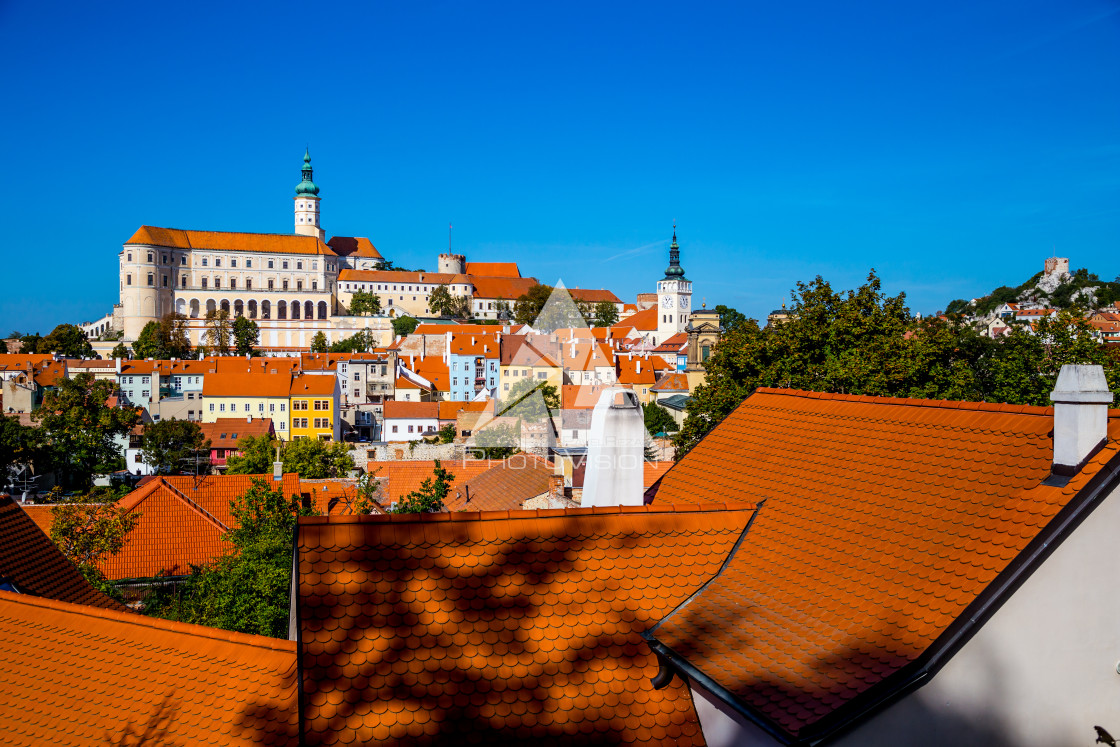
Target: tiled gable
{"type": "Point", "coordinates": [499, 628]}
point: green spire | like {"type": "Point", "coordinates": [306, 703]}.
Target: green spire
{"type": "Point", "coordinates": [674, 271]}
{"type": "Point", "coordinates": [306, 188]}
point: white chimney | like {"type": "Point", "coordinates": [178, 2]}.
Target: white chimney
{"type": "Point", "coordinates": [615, 446]}
{"type": "Point", "coordinates": [1081, 398]}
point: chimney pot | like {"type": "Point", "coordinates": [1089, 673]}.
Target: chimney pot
{"type": "Point", "coordinates": [615, 451]}
{"type": "Point", "coordinates": [1081, 398]}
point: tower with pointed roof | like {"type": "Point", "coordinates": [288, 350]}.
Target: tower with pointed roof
{"type": "Point", "coordinates": [307, 203]}
{"type": "Point", "coordinates": [674, 296]}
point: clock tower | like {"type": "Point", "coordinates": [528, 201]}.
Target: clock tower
{"type": "Point", "coordinates": [674, 296]}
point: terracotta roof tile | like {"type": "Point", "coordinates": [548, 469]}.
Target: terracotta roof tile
{"type": "Point", "coordinates": [593, 295]}
{"type": "Point", "coordinates": [29, 559]}
{"type": "Point", "coordinates": [499, 627]}
{"type": "Point", "coordinates": [643, 321]}
{"type": "Point", "coordinates": [402, 409]}
{"type": "Point", "coordinates": [313, 385]}
{"type": "Point", "coordinates": [77, 675]}
{"type": "Point", "coordinates": [494, 269]}
{"type": "Point", "coordinates": [353, 246]}
{"type": "Point", "coordinates": [406, 477]}
{"type": "Point", "coordinates": [509, 289]}
{"type": "Point", "coordinates": [504, 487]}
{"type": "Point", "coordinates": [883, 520]}
{"type": "Point", "coordinates": [671, 382]}
{"type": "Point", "coordinates": [246, 385]}
{"type": "Point", "coordinates": [225, 433]}
{"type": "Point", "coordinates": [224, 241]}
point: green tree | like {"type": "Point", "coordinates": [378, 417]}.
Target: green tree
{"type": "Point", "coordinates": [430, 497]}
{"type": "Point", "coordinates": [364, 303]}
{"type": "Point", "coordinates": [658, 419]}
{"type": "Point", "coordinates": [172, 445]}
{"type": "Point", "coordinates": [319, 343]}
{"type": "Point", "coordinates": [19, 444]}
{"type": "Point", "coordinates": [361, 341]}
{"type": "Point", "coordinates": [149, 343]}
{"type": "Point", "coordinates": [531, 399]}
{"type": "Point", "coordinates": [314, 459]}
{"type": "Point", "coordinates": [247, 589]}
{"type": "Point", "coordinates": [246, 334]}
{"type": "Point", "coordinates": [369, 493]}
{"type": "Point", "coordinates": [29, 344]}
{"type": "Point", "coordinates": [174, 338]}
{"type": "Point", "coordinates": [405, 325]}
{"type": "Point", "coordinates": [89, 528]}
{"type": "Point", "coordinates": [529, 305]}
{"type": "Point", "coordinates": [121, 351]}
{"type": "Point", "coordinates": [447, 433]}
{"type": "Point", "coordinates": [606, 314]}
{"type": "Point", "coordinates": [497, 441]}
{"type": "Point", "coordinates": [68, 340]}
{"type": "Point", "coordinates": [729, 318]}
{"type": "Point", "coordinates": [79, 428]}
{"type": "Point", "coordinates": [257, 455]}
{"type": "Point", "coordinates": [447, 304]}
{"type": "Point", "coordinates": [218, 331]}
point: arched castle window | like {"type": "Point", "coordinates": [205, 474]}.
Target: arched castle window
{"type": "Point", "coordinates": [266, 310]}
{"type": "Point", "coordinates": [281, 310]}
{"type": "Point", "coordinates": [295, 309]}
{"type": "Point", "coordinates": [238, 308]}
{"type": "Point", "coordinates": [308, 310]}
{"type": "Point", "coordinates": [252, 309]}
{"type": "Point", "coordinates": [322, 309]}
{"type": "Point", "coordinates": [194, 308]}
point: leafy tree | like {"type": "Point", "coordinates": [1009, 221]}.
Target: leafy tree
{"type": "Point", "coordinates": [19, 444]}
{"type": "Point", "coordinates": [247, 589]}
{"type": "Point", "coordinates": [29, 344]}
{"type": "Point", "coordinates": [447, 304]}
{"type": "Point", "coordinates": [405, 325]}
{"type": "Point", "coordinates": [121, 351]}
{"type": "Point", "coordinates": [430, 497]}
{"type": "Point", "coordinates": [364, 303]}
{"type": "Point", "coordinates": [497, 441]}
{"type": "Point", "coordinates": [729, 318]}
{"type": "Point", "coordinates": [148, 343]}
{"type": "Point", "coordinates": [79, 428]}
{"type": "Point", "coordinates": [314, 459]}
{"type": "Point", "coordinates": [246, 334]}
{"type": "Point", "coordinates": [369, 493]}
{"type": "Point", "coordinates": [68, 340]}
{"type": "Point", "coordinates": [956, 306]}
{"type": "Point", "coordinates": [447, 433]}
{"type": "Point", "coordinates": [361, 341]}
{"type": "Point", "coordinates": [606, 314]}
{"type": "Point", "coordinates": [218, 331]}
{"type": "Point", "coordinates": [319, 343]}
{"type": "Point", "coordinates": [530, 304]}
{"type": "Point", "coordinates": [257, 454]}
{"type": "Point", "coordinates": [174, 338]}
{"type": "Point", "coordinates": [658, 419]}
{"type": "Point", "coordinates": [15, 334]}
{"type": "Point", "coordinates": [170, 445]}
{"type": "Point", "coordinates": [531, 399]}
{"type": "Point", "coordinates": [87, 529]}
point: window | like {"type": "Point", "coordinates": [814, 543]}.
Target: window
{"type": "Point", "coordinates": [270, 285]}
{"type": "Point", "coordinates": [299, 265]}
{"type": "Point", "coordinates": [260, 407]}
{"type": "Point", "coordinates": [204, 261]}
{"type": "Point", "coordinates": [314, 265]}
{"type": "Point", "coordinates": [211, 407]}
{"type": "Point", "coordinates": [130, 256]}
{"type": "Point", "coordinates": [149, 256]}
{"type": "Point", "coordinates": [221, 407]}
{"type": "Point", "coordinates": [410, 429]}
{"type": "Point", "coordinates": [190, 395]}
{"type": "Point", "coordinates": [270, 265]}
{"type": "Point", "coordinates": [217, 261]}
{"type": "Point", "coordinates": [284, 264]}
{"type": "Point", "coordinates": [542, 374]}
{"type": "Point", "coordinates": [505, 387]}
{"type": "Point", "coordinates": [145, 394]}
{"type": "Point", "coordinates": [314, 285]}
{"type": "Point", "coordinates": [233, 263]}
{"type": "Point", "coordinates": [248, 263]}
{"type": "Point", "coordinates": [151, 279]}
{"type": "Point", "coordinates": [575, 434]}
{"type": "Point", "coordinates": [233, 283]}
{"type": "Point", "coordinates": [285, 284]}
{"type": "Point", "coordinates": [248, 284]}
{"type": "Point", "coordinates": [128, 279]}
{"type": "Point", "coordinates": [394, 429]}
{"type": "Point", "coordinates": [246, 410]}
{"type": "Point", "coordinates": [356, 376]}
{"type": "Point", "coordinates": [356, 393]}
{"type": "Point", "coordinates": [217, 282]}
{"type": "Point", "coordinates": [282, 405]}
{"type": "Point", "coordinates": [455, 381]}
{"type": "Point", "coordinates": [183, 281]}
{"type": "Point", "coordinates": [204, 282]}
{"type": "Point", "coordinates": [283, 426]}
{"type": "Point", "coordinates": [145, 380]}
{"type": "Point", "coordinates": [271, 407]}
{"type": "Point", "coordinates": [299, 285]}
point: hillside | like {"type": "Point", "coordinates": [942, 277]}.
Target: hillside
{"type": "Point", "coordinates": [1054, 288]}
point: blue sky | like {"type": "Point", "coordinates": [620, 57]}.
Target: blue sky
{"type": "Point", "coordinates": [951, 146]}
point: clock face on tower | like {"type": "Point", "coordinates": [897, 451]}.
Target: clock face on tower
{"type": "Point", "coordinates": [684, 302]}
{"type": "Point", "coordinates": [666, 302]}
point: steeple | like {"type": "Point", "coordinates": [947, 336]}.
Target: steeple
{"type": "Point", "coordinates": [674, 271]}
{"type": "Point", "coordinates": [307, 188]}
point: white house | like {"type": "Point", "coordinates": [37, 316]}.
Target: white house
{"type": "Point", "coordinates": [409, 421]}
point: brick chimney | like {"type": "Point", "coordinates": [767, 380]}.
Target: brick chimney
{"type": "Point", "coordinates": [615, 446]}
{"type": "Point", "coordinates": [1081, 398]}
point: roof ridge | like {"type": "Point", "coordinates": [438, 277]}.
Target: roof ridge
{"type": "Point", "coordinates": [948, 404]}
{"type": "Point", "coordinates": [192, 504]}
{"type": "Point", "coordinates": [532, 514]}
{"type": "Point", "coordinates": [202, 631]}
{"type": "Point", "coordinates": [250, 233]}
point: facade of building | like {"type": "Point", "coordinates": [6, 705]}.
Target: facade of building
{"type": "Point", "coordinates": [314, 407]}
{"type": "Point", "coordinates": [262, 395]}
{"type": "Point", "coordinates": [410, 421]}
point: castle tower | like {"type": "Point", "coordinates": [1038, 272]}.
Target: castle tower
{"type": "Point", "coordinates": [307, 203]}
{"type": "Point", "coordinates": [452, 264]}
{"type": "Point", "coordinates": [674, 296]}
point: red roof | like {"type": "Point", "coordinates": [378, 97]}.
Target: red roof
{"type": "Point", "coordinates": [512, 627]}
{"type": "Point", "coordinates": [671, 382]}
{"type": "Point", "coordinates": [247, 385]}
{"type": "Point", "coordinates": [79, 675]}
{"type": "Point", "coordinates": [224, 433]}
{"type": "Point", "coordinates": [643, 321]}
{"type": "Point", "coordinates": [313, 385]}
{"type": "Point", "coordinates": [30, 560]}
{"type": "Point", "coordinates": [884, 520]}
{"type": "Point", "coordinates": [494, 269]}
{"type": "Point", "coordinates": [506, 288]}
{"type": "Point", "coordinates": [449, 409]}
{"type": "Point", "coordinates": [674, 344]}
{"type": "Point", "coordinates": [272, 243]}
{"type": "Point", "coordinates": [505, 486]}
{"type": "Point", "coordinates": [399, 409]}
{"type": "Point", "coordinates": [405, 477]}
{"type": "Point", "coordinates": [356, 246]}
{"type": "Point", "coordinates": [591, 295]}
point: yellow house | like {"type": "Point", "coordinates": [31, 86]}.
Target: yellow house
{"type": "Point", "coordinates": [314, 407]}
{"type": "Point", "coordinates": [520, 361]}
{"type": "Point", "coordinates": [262, 395]}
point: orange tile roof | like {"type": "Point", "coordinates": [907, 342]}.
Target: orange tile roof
{"type": "Point", "coordinates": [78, 675]}
{"type": "Point", "coordinates": [354, 246]}
{"type": "Point", "coordinates": [585, 356]}
{"type": "Point", "coordinates": [449, 409]}
{"type": "Point", "coordinates": [591, 295]}
{"type": "Point", "coordinates": [643, 321]}
{"type": "Point", "coordinates": [881, 523]}
{"type": "Point", "coordinates": [404, 478]}
{"type": "Point", "coordinates": [313, 385]}
{"type": "Point", "coordinates": [673, 344]}
{"type": "Point", "coordinates": [652, 472]}
{"type": "Point", "coordinates": [401, 409]}
{"type": "Point", "coordinates": [225, 241]}
{"type": "Point", "coordinates": [403, 383]}
{"type": "Point", "coordinates": [224, 433]}
{"type": "Point", "coordinates": [473, 343]}
{"type": "Point", "coordinates": [504, 487]}
{"type": "Point", "coordinates": [237, 364]}
{"type": "Point", "coordinates": [30, 560]}
{"type": "Point", "coordinates": [519, 351]}
{"type": "Point", "coordinates": [509, 289]}
{"type": "Point", "coordinates": [400, 276]}
{"type": "Point", "coordinates": [518, 627]}
{"type": "Point", "coordinates": [434, 369]}
{"type": "Point", "coordinates": [494, 269]}
{"type": "Point", "coordinates": [246, 385]}
{"type": "Point", "coordinates": [580, 396]}
{"type": "Point", "coordinates": [637, 369]}
{"type": "Point", "coordinates": [671, 382]}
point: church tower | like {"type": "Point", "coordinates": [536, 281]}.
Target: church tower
{"type": "Point", "coordinates": [674, 296]}
{"type": "Point", "coordinates": [307, 203]}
